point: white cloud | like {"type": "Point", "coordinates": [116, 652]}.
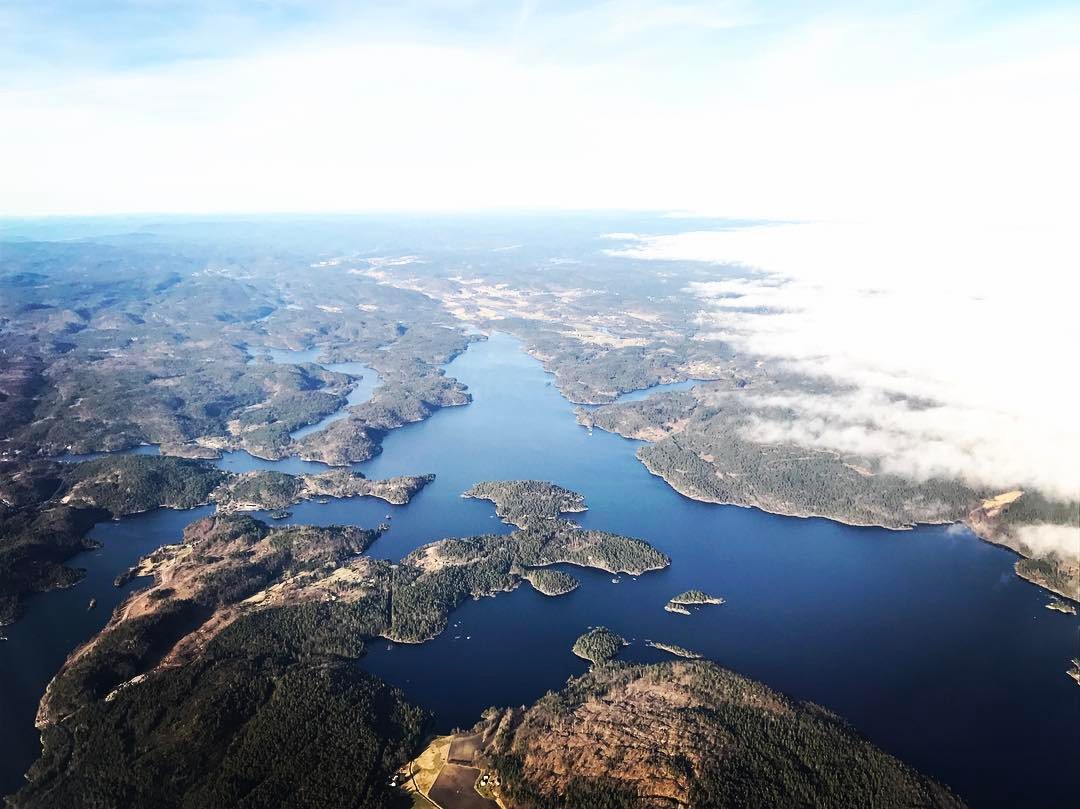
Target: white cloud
{"type": "Point", "coordinates": [979, 320]}
{"type": "Point", "coordinates": [1043, 539]}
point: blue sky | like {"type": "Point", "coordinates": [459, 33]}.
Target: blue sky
{"type": "Point", "coordinates": [743, 108]}
{"type": "Point", "coordinates": [128, 34]}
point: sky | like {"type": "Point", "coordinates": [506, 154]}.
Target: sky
{"type": "Point", "coordinates": [775, 110]}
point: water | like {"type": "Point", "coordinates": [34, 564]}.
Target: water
{"type": "Point", "coordinates": [638, 395]}
{"type": "Point", "coordinates": [924, 640]}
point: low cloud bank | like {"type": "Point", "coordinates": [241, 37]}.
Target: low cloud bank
{"type": "Point", "coordinates": [974, 329]}
{"type": "Point", "coordinates": [1045, 539]}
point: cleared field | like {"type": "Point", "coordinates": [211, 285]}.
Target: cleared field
{"type": "Point", "coordinates": [463, 749]}
{"type": "Point", "coordinates": [454, 789]}
{"type": "Point", "coordinates": [425, 768]}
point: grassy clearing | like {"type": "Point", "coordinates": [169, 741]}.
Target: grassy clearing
{"type": "Point", "coordinates": [425, 768]}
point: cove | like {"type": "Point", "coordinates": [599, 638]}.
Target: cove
{"type": "Point", "coordinates": [924, 640]}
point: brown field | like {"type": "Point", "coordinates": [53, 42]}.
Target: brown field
{"type": "Point", "coordinates": [454, 789]}
{"type": "Point", "coordinates": [463, 749]}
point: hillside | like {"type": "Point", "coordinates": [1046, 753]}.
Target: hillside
{"type": "Point", "coordinates": [690, 734]}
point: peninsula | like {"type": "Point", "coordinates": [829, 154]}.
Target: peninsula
{"type": "Point", "coordinates": [687, 733]}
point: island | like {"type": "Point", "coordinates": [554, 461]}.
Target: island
{"type": "Point", "coordinates": [671, 648]}
{"type": "Point", "coordinates": [526, 503]}
{"type": "Point", "coordinates": [1058, 605]}
{"type": "Point", "coordinates": [689, 598]}
{"type": "Point", "coordinates": [598, 645]}
{"type": "Point", "coordinates": [306, 587]}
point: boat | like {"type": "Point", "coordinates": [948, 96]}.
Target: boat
{"type": "Point", "coordinates": [92, 604]}
{"type": "Point", "coordinates": [279, 514]}
{"type": "Point", "coordinates": [323, 501]}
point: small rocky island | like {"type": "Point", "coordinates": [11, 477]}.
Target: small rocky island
{"type": "Point", "coordinates": [671, 648]}
{"type": "Point", "coordinates": [691, 598]}
{"type": "Point", "coordinates": [1058, 605]}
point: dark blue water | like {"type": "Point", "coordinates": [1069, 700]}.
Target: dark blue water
{"type": "Point", "coordinates": [924, 640]}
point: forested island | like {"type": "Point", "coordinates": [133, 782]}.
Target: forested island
{"type": "Point", "coordinates": [598, 645]}
{"type": "Point", "coordinates": [691, 598]}
{"type": "Point", "coordinates": [526, 503]}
